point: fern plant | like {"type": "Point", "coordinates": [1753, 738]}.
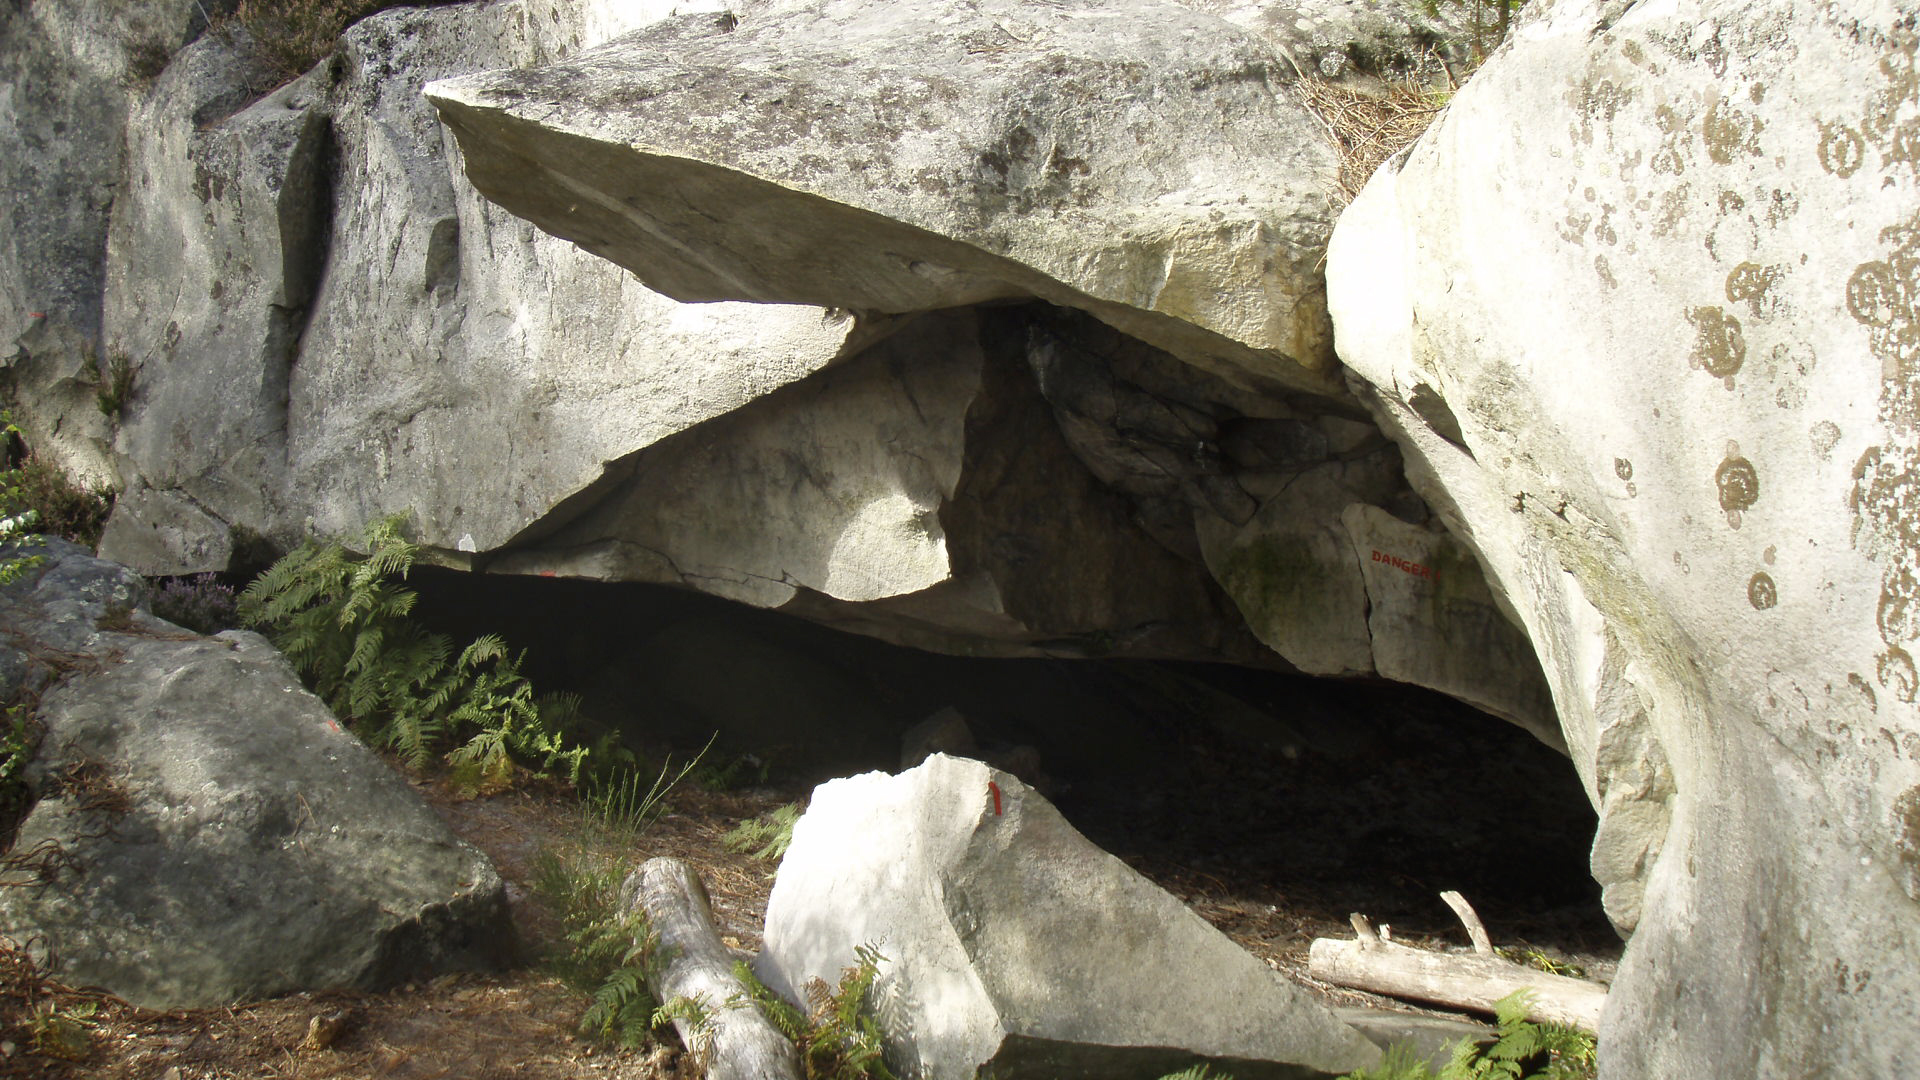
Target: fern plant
{"type": "Point", "coordinates": [767, 836]}
{"type": "Point", "coordinates": [346, 623]}
{"type": "Point", "coordinates": [838, 1039]}
{"type": "Point", "coordinates": [1521, 1050]}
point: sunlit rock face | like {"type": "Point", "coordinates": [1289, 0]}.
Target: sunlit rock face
{"type": "Point", "coordinates": [1641, 311]}
{"type": "Point", "coordinates": [381, 339]}
{"type": "Point", "coordinates": [948, 443]}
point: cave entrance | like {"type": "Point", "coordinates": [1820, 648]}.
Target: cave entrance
{"type": "Point", "coordinates": [1274, 804]}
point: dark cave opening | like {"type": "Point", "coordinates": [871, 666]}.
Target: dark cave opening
{"type": "Point", "coordinates": [1286, 799]}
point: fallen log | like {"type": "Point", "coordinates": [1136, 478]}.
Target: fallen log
{"type": "Point", "coordinates": [726, 1032]}
{"type": "Point", "coordinates": [1462, 980]}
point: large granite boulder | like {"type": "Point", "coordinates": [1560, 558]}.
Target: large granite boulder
{"type": "Point", "coordinates": [386, 339]}
{"type": "Point", "coordinates": [1138, 160]}
{"type": "Point", "coordinates": [1015, 948]}
{"type": "Point", "coordinates": [202, 831]}
{"type": "Point", "coordinates": [1144, 164]}
{"type": "Point", "coordinates": [1641, 311]}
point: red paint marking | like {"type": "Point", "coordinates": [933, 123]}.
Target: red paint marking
{"type": "Point", "coordinates": [1403, 565]}
{"type": "Point", "coordinates": [36, 314]}
{"type": "Point", "coordinates": [333, 725]}
{"type": "Point", "coordinates": [994, 789]}
{"type": "Point", "coordinates": [548, 573]}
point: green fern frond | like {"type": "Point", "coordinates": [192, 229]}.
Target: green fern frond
{"type": "Point", "coordinates": [623, 1009]}
{"type": "Point", "coordinates": [767, 836]}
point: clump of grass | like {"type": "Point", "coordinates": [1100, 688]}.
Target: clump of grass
{"type": "Point", "coordinates": [113, 383]}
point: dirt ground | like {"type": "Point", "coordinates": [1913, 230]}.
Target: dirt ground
{"type": "Point", "coordinates": [522, 1023]}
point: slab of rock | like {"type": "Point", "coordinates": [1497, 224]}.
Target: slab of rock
{"type": "Point", "coordinates": [1138, 160]}
{"type": "Point", "coordinates": [1641, 309]}
{"type": "Point", "coordinates": [203, 832]}
{"type": "Point", "coordinates": [1016, 948]}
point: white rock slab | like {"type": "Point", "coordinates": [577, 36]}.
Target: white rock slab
{"type": "Point", "coordinates": [1016, 948]}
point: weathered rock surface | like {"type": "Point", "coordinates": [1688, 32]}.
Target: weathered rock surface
{"type": "Point", "coordinates": [917, 491]}
{"type": "Point", "coordinates": [203, 831]}
{"type": "Point", "coordinates": [1335, 39]}
{"type": "Point", "coordinates": [1016, 947]}
{"type": "Point", "coordinates": [384, 339]}
{"type": "Point", "coordinates": [1641, 309]}
{"type": "Point", "coordinates": [1138, 160]}
{"type": "Point", "coordinates": [69, 73]}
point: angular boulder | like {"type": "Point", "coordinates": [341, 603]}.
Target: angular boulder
{"type": "Point", "coordinates": [1641, 310]}
{"type": "Point", "coordinates": [202, 830]}
{"type": "Point", "coordinates": [1015, 948]}
{"type": "Point", "coordinates": [1138, 160]}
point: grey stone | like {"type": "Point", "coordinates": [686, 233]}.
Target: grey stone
{"type": "Point", "coordinates": [203, 831]}
{"type": "Point", "coordinates": [385, 340]}
{"type": "Point", "coordinates": [1679, 373]}
{"type": "Point", "coordinates": [1016, 948]}
{"type": "Point", "coordinates": [945, 732]}
{"type": "Point", "coordinates": [918, 491]}
{"type": "Point", "coordinates": [1136, 160]}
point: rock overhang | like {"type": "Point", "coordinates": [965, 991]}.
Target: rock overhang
{"type": "Point", "coordinates": [1145, 163]}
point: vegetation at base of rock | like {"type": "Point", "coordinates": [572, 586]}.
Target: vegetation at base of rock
{"type": "Point", "coordinates": [33, 1018]}
{"type": "Point", "coordinates": [1197, 1072]}
{"type": "Point", "coordinates": [201, 603]}
{"type": "Point", "coordinates": [36, 498]}
{"type": "Point", "coordinates": [838, 1038]}
{"type": "Point", "coordinates": [17, 519]}
{"type": "Point", "coordinates": [345, 622]}
{"type": "Point", "coordinates": [767, 836]}
{"type": "Point", "coordinates": [1521, 1050]}
{"type": "Point", "coordinates": [19, 740]}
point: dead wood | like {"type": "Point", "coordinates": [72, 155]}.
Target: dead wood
{"type": "Point", "coordinates": [1463, 980]}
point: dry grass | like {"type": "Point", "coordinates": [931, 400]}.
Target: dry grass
{"type": "Point", "coordinates": [1370, 125]}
